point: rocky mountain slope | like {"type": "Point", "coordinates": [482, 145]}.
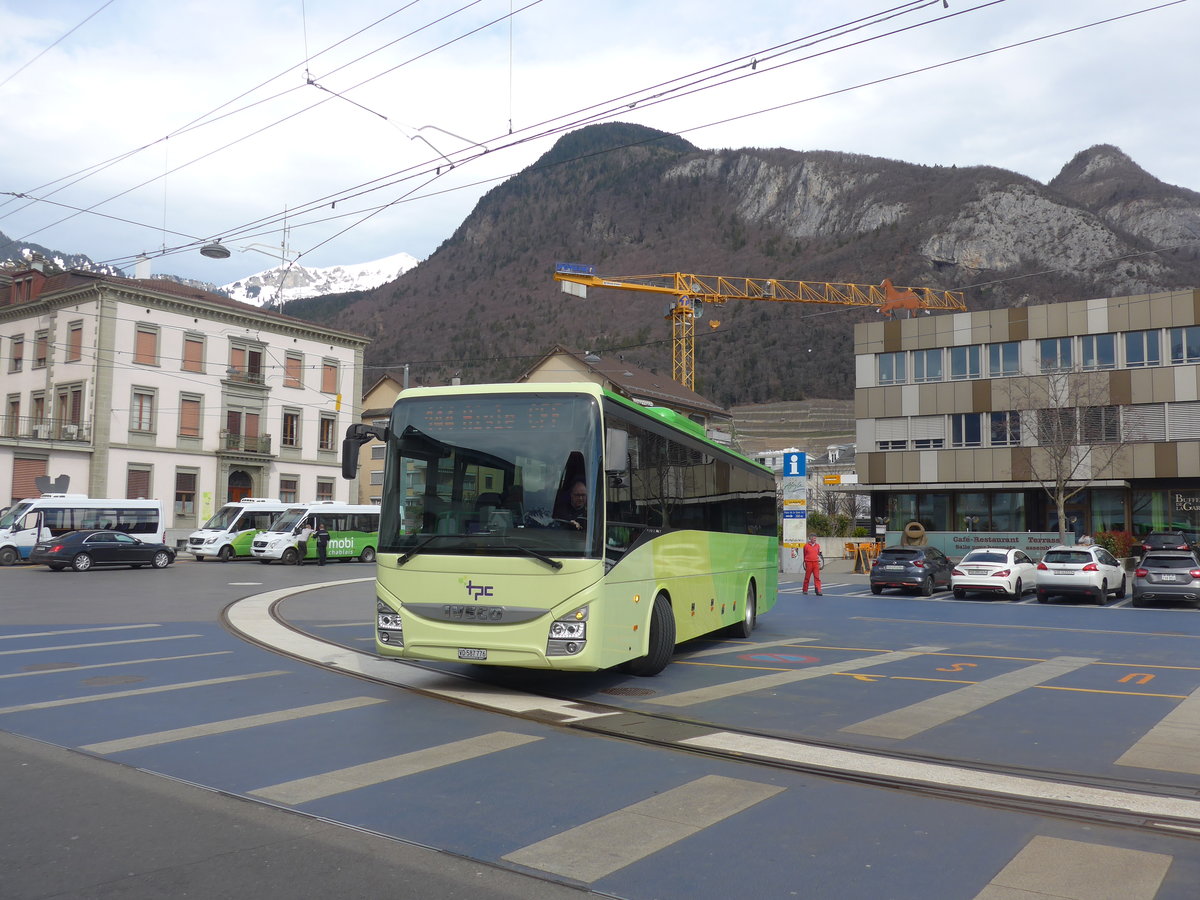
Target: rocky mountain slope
{"type": "Point", "coordinates": [631, 200]}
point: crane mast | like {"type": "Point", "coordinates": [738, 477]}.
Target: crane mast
{"type": "Point", "coordinates": [687, 292]}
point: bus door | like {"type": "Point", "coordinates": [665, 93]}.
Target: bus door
{"type": "Point", "coordinates": [29, 530]}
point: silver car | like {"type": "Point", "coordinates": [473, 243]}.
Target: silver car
{"type": "Point", "coordinates": [1167, 575]}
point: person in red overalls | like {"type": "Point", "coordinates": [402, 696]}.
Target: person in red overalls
{"type": "Point", "coordinates": [813, 560]}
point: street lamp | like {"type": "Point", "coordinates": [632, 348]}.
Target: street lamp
{"type": "Point", "coordinates": [217, 250]}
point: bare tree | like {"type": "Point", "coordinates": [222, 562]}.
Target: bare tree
{"type": "Point", "coordinates": [1069, 431]}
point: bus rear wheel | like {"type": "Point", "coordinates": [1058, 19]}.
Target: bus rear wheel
{"type": "Point", "coordinates": [662, 641]}
{"type": "Point", "coordinates": [745, 627]}
{"type": "Point", "coordinates": [368, 555]}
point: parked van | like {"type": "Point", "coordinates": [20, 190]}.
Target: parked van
{"type": "Point", "coordinates": [353, 532]}
{"type": "Point", "coordinates": [231, 531]}
{"type": "Point", "coordinates": [50, 515]}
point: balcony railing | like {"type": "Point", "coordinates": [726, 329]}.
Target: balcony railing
{"type": "Point", "coordinates": [245, 443]}
{"type": "Point", "coordinates": [31, 428]}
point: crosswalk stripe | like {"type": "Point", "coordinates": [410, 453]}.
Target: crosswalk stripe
{"type": "Point", "coordinates": [744, 647]}
{"type": "Point", "coordinates": [303, 790]}
{"type": "Point", "coordinates": [604, 845]}
{"type": "Point", "coordinates": [762, 682]}
{"type": "Point", "coordinates": [224, 726]}
{"type": "Point", "coordinates": [108, 665]}
{"type": "Point", "coordinates": [1170, 746]}
{"type": "Point", "coordinates": [918, 717]}
{"type": "Point", "coordinates": [1074, 870]}
{"type": "Point", "coordinates": [118, 695]}
{"type": "Point", "coordinates": [56, 647]}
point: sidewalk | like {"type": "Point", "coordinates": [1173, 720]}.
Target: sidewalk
{"type": "Point", "coordinates": [835, 569]}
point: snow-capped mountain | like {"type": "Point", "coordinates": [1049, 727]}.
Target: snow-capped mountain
{"type": "Point", "coordinates": [299, 281]}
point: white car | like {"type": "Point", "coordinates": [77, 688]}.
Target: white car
{"type": "Point", "coordinates": [994, 570]}
{"type": "Point", "coordinates": [1085, 570]}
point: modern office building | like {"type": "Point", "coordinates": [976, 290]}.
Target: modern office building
{"type": "Point", "coordinates": [963, 419]}
{"type": "Point", "coordinates": [116, 387]}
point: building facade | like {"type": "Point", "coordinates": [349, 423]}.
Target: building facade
{"type": "Point", "coordinates": [115, 387]}
{"type": "Point", "coordinates": [963, 419]}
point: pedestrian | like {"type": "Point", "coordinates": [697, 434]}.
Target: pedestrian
{"type": "Point", "coordinates": [302, 543]}
{"type": "Point", "coordinates": [322, 543]}
{"type": "Point", "coordinates": [813, 560]}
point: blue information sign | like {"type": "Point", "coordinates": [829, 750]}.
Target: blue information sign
{"type": "Point", "coordinates": [795, 464]}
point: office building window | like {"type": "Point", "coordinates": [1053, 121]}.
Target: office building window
{"type": "Point", "coordinates": [891, 368]}
{"type": "Point", "coordinates": [1006, 429]}
{"type": "Point", "coordinates": [16, 354]}
{"type": "Point", "coordinates": [329, 378]}
{"type": "Point", "coordinates": [966, 430]}
{"type": "Point", "coordinates": [1100, 425]}
{"type": "Point", "coordinates": [1185, 344]}
{"type": "Point", "coordinates": [324, 489]}
{"type": "Point", "coordinates": [1054, 354]}
{"type": "Point", "coordinates": [1142, 348]}
{"type": "Point", "coordinates": [927, 365]}
{"type": "Point", "coordinates": [137, 482]}
{"type": "Point", "coordinates": [185, 494]}
{"type": "Point", "coordinates": [41, 344]}
{"type": "Point", "coordinates": [964, 362]}
{"type": "Point", "coordinates": [1098, 351]}
{"type": "Point", "coordinates": [1004, 359]}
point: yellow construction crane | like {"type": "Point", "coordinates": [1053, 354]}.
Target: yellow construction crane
{"type": "Point", "coordinates": [689, 292]}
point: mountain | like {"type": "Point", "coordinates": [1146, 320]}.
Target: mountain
{"type": "Point", "coordinates": [20, 252]}
{"type": "Point", "coordinates": [632, 200]}
{"type": "Point", "coordinates": [301, 281]}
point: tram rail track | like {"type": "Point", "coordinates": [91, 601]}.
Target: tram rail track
{"type": "Point", "coordinates": [1151, 807]}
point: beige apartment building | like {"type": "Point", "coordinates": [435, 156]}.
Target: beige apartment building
{"type": "Point", "coordinates": [952, 414]}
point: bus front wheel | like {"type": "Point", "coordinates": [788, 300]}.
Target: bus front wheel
{"type": "Point", "coordinates": [8, 556]}
{"type": "Point", "coordinates": [662, 641]}
{"type": "Point", "coordinates": [744, 628]}
{"type": "Point", "coordinates": [290, 557]}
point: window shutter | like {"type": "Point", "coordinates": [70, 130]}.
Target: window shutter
{"type": "Point", "coordinates": [138, 484]}
{"type": "Point", "coordinates": [292, 372]}
{"type": "Point", "coordinates": [329, 379]}
{"type": "Point", "coordinates": [193, 355]}
{"type": "Point", "coordinates": [189, 418]}
{"type": "Point", "coordinates": [145, 349]}
{"type": "Point", "coordinates": [75, 343]}
{"type": "Point", "coordinates": [25, 473]}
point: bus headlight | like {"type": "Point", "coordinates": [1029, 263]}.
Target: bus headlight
{"type": "Point", "coordinates": [568, 634]}
{"type": "Point", "coordinates": [388, 625]}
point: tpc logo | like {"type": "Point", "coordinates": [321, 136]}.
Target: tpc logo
{"type": "Point", "coordinates": [478, 591]}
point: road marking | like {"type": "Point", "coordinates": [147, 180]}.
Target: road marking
{"type": "Point", "coordinates": [604, 845]}
{"type": "Point", "coordinates": [117, 695]}
{"type": "Point", "coordinates": [173, 637]}
{"type": "Point", "coordinates": [739, 647]}
{"type": "Point", "coordinates": [1073, 870]}
{"type": "Point", "coordinates": [910, 771]}
{"type": "Point", "coordinates": [109, 665]}
{"type": "Point", "coordinates": [918, 717]}
{"type": "Point", "coordinates": [33, 634]}
{"type": "Point", "coordinates": [1170, 746]}
{"type": "Point", "coordinates": [153, 739]}
{"type": "Point", "coordinates": [1122, 632]}
{"type": "Point", "coordinates": [763, 682]}
{"type": "Point", "coordinates": [303, 790]}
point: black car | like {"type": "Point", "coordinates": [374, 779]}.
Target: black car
{"type": "Point", "coordinates": [1168, 540]}
{"type": "Point", "coordinates": [912, 568]}
{"type": "Point", "coordinates": [81, 550]}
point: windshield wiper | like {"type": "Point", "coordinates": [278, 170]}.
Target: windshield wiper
{"type": "Point", "coordinates": [552, 563]}
{"type": "Point", "coordinates": [421, 546]}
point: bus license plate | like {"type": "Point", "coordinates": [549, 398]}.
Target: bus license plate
{"type": "Point", "coordinates": [471, 653]}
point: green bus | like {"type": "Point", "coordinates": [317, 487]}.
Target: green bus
{"type": "Point", "coordinates": [353, 533]}
{"type": "Point", "coordinates": [562, 526]}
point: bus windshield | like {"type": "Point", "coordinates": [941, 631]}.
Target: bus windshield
{"type": "Point", "coordinates": [288, 519]}
{"type": "Point", "coordinates": [224, 517]}
{"type": "Point", "coordinates": [14, 514]}
{"type": "Point", "coordinates": [493, 474]}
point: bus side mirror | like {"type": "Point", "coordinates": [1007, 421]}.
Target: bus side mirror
{"type": "Point", "coordinates": [357, 435]}
{"type": "Point", "coordinates": [616, 450]}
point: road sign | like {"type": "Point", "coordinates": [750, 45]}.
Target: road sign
{"type": "Point", "coordinates": [833, 479]}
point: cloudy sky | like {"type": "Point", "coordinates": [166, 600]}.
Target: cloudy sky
{"type": "Point", "coordinates": [140, 127]}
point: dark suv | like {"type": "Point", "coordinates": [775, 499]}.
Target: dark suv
{"type": "Point", "coordinates": [912, 568]}
{"type": "Point", "coordinates": [1168, 540]}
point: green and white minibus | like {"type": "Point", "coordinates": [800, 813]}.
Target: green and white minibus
{"type": "Point", "coordinates": [561, 526]}
{"type": "Point", "coordinates": [353, 532]}
{"type": "Point", "coordinates": [232, 530]}
{"type": "Point", "coordinates": [51, 515]}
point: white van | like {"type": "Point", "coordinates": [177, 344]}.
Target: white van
{"type": "Point", "coordinates": [353, 532]}
{"type": "Point", "coordinates": [230, 532]}
{"type": "Point", "coordinates": [47, 516]}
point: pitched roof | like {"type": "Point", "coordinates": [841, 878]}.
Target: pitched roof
{"type": "Point", "coordinates": [635, 381]}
